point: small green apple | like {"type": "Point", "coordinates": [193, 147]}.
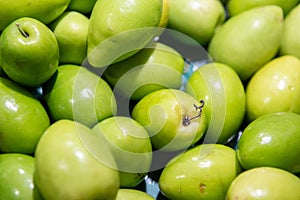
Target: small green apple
{"type": "Point", "coordinates": [202, 172]}
{"type": "Point", "coordinates": [290, 44]}
{"type": "Point", "coordinates": [16, 177]}
{"type": "Point", "coordinates": [29, 52]}
{"type": "Point", "coordinates": [130, 77]}
{"type": "Point", "coordinates": [71, 30]}
{"type": "Point", "coordinates": [274, 88]}
{"type": "Point", "coordinates": [247, 41]}
{"type": "Point", "coordinates": [223, 92]}
{"type": "Point", "coordinates": [23, 119]}
{"type": "Point", "coordinates": [196, 18]}
{"type": "Point", "coordinates": [45, 11]}
{"type": "Point", "coordinates": [73, 163]}
{"type": "Point", "coordinates": [85, 7]}
{"type": "Point", "coordinates": [75, 93]}
{"type": "Point", "coordinates": [271, 140]}
{"type": "Point", "coordinates": [130, 146]}
{"type": "Point", "coordinates": [174, 119]}
{"type": "Point", "coordinates": [130, 194]}
{"type": "Point", "coordinates": [120, 28]}
{"type": "Point", "coordinates": [264, 183]}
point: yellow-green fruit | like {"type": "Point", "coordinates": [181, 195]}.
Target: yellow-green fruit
{"type": "Point", "coordinates": [238, 6]}
{"type": "Point", "coordinates": [224, 96]}
{"type": "Point", "coordinates": [23, 119]}
{"type": "Point", "coordinates": [84, 7]}
{"type": "Point", "coordinates": [290, 43]}
{"type": "Point", "coordinates": [265, 183]}
{"type": "Point", "coordinates": [274, 88]}
{"type": "Point", "coordinates": [112, 30]}
{"type": "Point", "coordinates": [203, 172]}
{"type": "Point", "coordinates": [73, 163]}
{"type": "Point", "coordinates": [133, 77]}
{"type": "Point", "coordinates": [132, 194]}
{"type": "Point", "coordinates": [247, 41]}
{"type": "Point", "coordinates": [45, 11]}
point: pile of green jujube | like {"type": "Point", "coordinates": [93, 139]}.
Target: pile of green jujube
{"type": "Point", "coordinates": [150, 99]}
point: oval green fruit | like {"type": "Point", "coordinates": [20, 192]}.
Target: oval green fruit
{"type": "Point", "coordinates": [224, 95]}
{"type": "Point", "coordinates": [84, 7]}
{"type": "Point", "coordinates": [44, 10]}
{"type": "Point", "coordinates": [130, 145]}
{"type": "Point", "coordinates": [23, 119]}
{"type": "Point", "coordinates": [203, 172]}
{"type": "Point", "coordinates": [265, 183]}
{"type": "Point", "coordinates": [16, 177]}
{"type": "Point", "coordinates": [119, 28]}
{"type": "Point", "coordinates": [290, 44]}
{"type": "Point", "coordinates": [132, 76]}
{"type": "Point", "coordinates": [247, 41]}
{"type": "Point", "coordinates": [78, 94]}
{"type": "Point", "coordinates": [73, 163]}
{"type": "Point", "coordinates": [271, 140]}
{"type": "Point", "coordinates": [274, 88]}
{"type": "Point", "coordinates": [131, 194]}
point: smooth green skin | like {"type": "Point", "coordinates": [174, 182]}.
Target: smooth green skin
{"type": "Point", "coordinates": [247, 41]}
{"type": "Point", "coordinates": [130, 145]}
{"type": "Point", "coordinates": [113, 25]}
{"type": "Point", "coordinates": [71, 30]}
{"type": "Point", "coordinates": [290, 44]}
{"type": "Point", "coordinates": [161, 113]}
{"type": "Point", "coordinates": [203, 16]}
{"type": "Point", "coordinates": [271, 140]}
{"type": "Point", "coordinates": [84, 7]}
{"type": "Point", "coordinates": [131, 76]}
{"type": "Point", "coordinates": [70, 155]}
{"type": "Point", "coordinates": [77, 94]}
{"type": "Point", "coordinates": [203, 172]}
{"type": "Point", "coordinates": [265, 183]}
{"type": "Point", "coordinates": [23, 119]}
{"type": "Point", "coordinates": [45, 11]}
{"type": "Point", "coordinates": [238, 6]}
{"type": "Point", "coordinates": [31, 60]}
{"type": "Point", "coordinates": [280, 79]}
{"type": "Point", "coordinates": [130, 194]}
{"type": "Point", "coordinates": [224, 95]}
{"type": "Point", "coordinates": [16, 177]}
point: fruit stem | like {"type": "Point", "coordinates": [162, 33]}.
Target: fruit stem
{"type": "Point", "coordinates": [187, 120]}
{"type": "Point", "coordinates": [22, 31]}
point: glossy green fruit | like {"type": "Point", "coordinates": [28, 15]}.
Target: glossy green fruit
{"type": "Point", "coordinates": [117, 29]}
{"type": "Point", "coordinates": [23, 119]}
{"type": "Point", "coordinates": [84, 7]}
{"type": "Point", "coordinates": [197, 19]}
{"type": "Point", "coordinates": [238, 6]}
{"type": "Point", "coordinates": [224, 95]}
{"type": "Point", "coordinates": [73, 163]}
{"type": "Point", "coordinates": [130, 146]}
{"type": "Point", "coordinates": [290, 44]}
{"type": "Point", "coordinates": [77, 94]}
{"type": "Point", "coordinates": [271, 140]}
{"type": "Point", "coordinates": [265, 183]}
{"type": "Point", "coordinates": [16, 177]}
{"type": "Point", "coordinates": [71, 30]}
{"type": "Point", "coordinates": [131, 77]}
{"type": "Point", "coordinates": [274, 88]}
{"type": "Point", "coordinates": [203, 172]}
{"type": "Point", "coordinates": [173, 119]}
{"type": "Point", "coordinates": [130, 194]}
{"type": "Point", "coordinates": [43, 10]}
{"type": "Point", "coordinates": [247, 41]}
{"type": "Point", "coordinates": [29, 52]}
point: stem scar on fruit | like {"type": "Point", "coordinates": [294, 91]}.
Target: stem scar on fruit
{"type": "Point", "coordinates": [22, 31]}
{"type": "Point", "coordinates": [187, 119]}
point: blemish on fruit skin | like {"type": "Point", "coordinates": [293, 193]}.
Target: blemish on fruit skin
{"type": "Point", "coordinates": [202, 187]}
